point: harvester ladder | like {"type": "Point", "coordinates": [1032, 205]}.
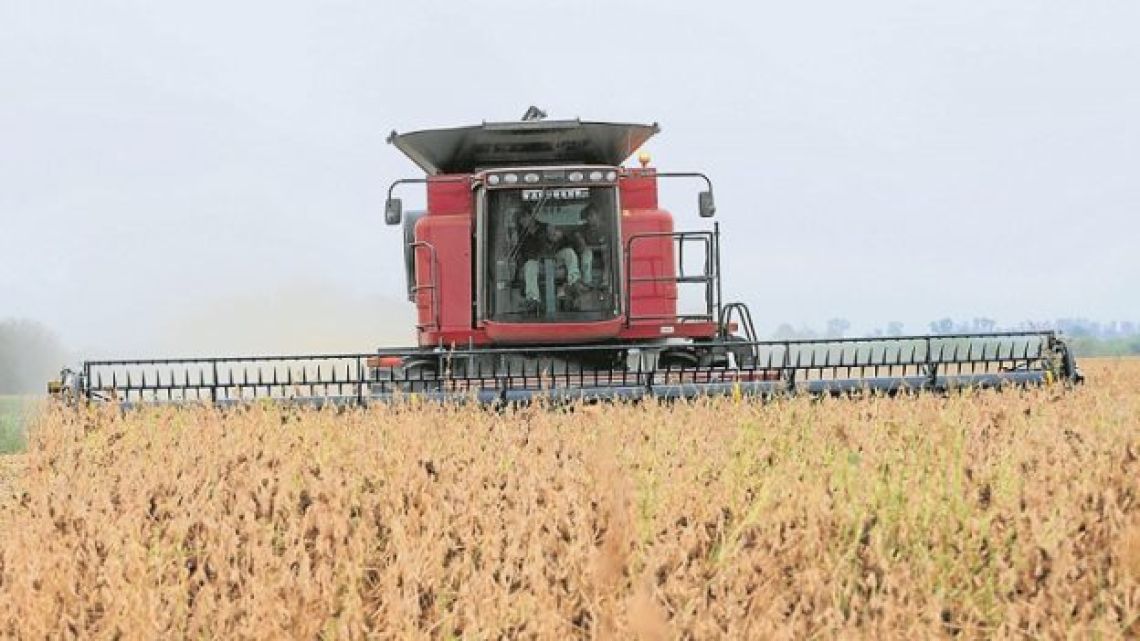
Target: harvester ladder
{"type": "Point", "coordinates": [432, 286]}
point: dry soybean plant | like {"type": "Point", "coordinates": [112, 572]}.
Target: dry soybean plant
{"type": "Point", "coordinates": [972, 515]}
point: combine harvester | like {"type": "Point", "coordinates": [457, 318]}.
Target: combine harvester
{"type": "Point", "coordinates": [544, 267]}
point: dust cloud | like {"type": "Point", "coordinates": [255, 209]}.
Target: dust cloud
{"type": "Point", "coordinates": [30, 355]}
{"type": "Point", "coordinates": [298, 319]}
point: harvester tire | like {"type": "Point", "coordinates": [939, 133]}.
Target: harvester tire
{"type": "Point", "coordinates": [421, 375]}
{"type": "Point", "coordinates": [743, 353]}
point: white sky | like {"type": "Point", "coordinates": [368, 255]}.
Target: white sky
{"type": "Point", "coordinates": [210, 176]}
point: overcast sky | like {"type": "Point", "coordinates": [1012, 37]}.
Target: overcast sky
{"type": "Point", "coordinates": [212, 174]}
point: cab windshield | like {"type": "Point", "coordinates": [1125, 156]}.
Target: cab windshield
{"type": "Point", "coordinates": [551, 254]}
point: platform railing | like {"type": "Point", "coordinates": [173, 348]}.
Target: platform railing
{"type": "Point", "coordinates": [432, 287]}
{"type": "Point", "coordinates": [709, 275]}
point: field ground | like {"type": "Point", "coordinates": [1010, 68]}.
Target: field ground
{"type": "Point", "coordinates": [981, 515]}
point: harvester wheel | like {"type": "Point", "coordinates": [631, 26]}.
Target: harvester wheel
{"type": "Point", "coordinates": [421, 375]}
{"type": "Point", "coordinates": [678, 358]}
{"type": "Point", "coordinates": [742, 353]}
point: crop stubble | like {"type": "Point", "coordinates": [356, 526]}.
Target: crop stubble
{"type": "Point", "coordinates": [977, 515]}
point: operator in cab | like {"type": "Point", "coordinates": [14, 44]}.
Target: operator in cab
{"type": "Point", "coordinates": [540, 240]}
{"type": "Point", "coordinates": [590, 235]}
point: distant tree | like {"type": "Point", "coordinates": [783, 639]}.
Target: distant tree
{"type": "Point", "coordinates": [1111, 330]}
{"type": "Point", "coordinates": [894, 328]}
{"type": "Point", "coordinates": [785, 332]}
{"type": "Point", "coordinates": [943, 326]}
{"type": "Point", "coordinates": [30, 354]}
{"type": "Point", "coordinates": [1078, 327]}
{"type": "Point", "coordinates": [837, 327]}
{"type": "Point", "coordinates": [983, 325]}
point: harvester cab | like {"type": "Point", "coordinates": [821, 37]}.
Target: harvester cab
{"type": "Point", "coordinates": [543, 266]}
{"type": "Point", "coordinates": [548, 254]}
{"type": "Point", "coordinates": [535, 234]}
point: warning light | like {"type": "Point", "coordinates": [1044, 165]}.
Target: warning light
{"type": "Point", "coordinates": [643, 158]}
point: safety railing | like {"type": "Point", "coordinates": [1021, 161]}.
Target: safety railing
{"type": "Point", "coordinates": [432, 286]}
{"type": "Point", "coordinates": [709, 276]}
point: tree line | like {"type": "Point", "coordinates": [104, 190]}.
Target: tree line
{"type": "Point", "coordinates": [1087, 337]}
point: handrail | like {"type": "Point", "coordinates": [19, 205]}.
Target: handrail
{"type": "Point", "coordinates": [433, 260]}
{"type": "Point", "coordinates": [745, 315]}
{"type": "Point", "coordinates": [710, 277]}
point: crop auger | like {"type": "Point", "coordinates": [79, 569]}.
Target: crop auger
{"type": "Point", "coordinates": [541, 266]}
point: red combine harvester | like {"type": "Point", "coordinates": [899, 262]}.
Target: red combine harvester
{"type": "Point", "coordinates": [543, 266]}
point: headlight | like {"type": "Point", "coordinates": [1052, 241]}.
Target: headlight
{"type": "Point", "coordinates": [595, 175]}
{"type": "Point", "coordinates": [575, 176]}
{"type": "Point", "coordinates": [611, 175]}
{"type": "Point", "coordinates": [493, 179]}
{"type": "Point", "coordinates": [531, 178]}
{"type": "Point", "coordinates": [510, 179]}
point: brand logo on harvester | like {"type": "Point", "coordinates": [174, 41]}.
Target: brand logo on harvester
{"type": "Point", "coordinates": [567, 193]}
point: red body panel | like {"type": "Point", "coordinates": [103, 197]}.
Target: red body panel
{"type": "Point", "coordinates": [662, 329]}
{"type": "Point", "coordinates": [649, 257]}
{"type": "Point", "coordinates": [446, 266]}
{"type": "Point", "coordinates": [450, 195]}
{"type": "Point", "coordinates": [638, 189]}
{"type": "Point", "coordinates": [553, 333]}
{"type": "Point", "coordinates": [445, 314]}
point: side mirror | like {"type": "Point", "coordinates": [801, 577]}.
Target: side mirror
{"type": "Point", "coordinates": [393, 211]}
{"type": "Point", "coordinates": [705, 204]}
